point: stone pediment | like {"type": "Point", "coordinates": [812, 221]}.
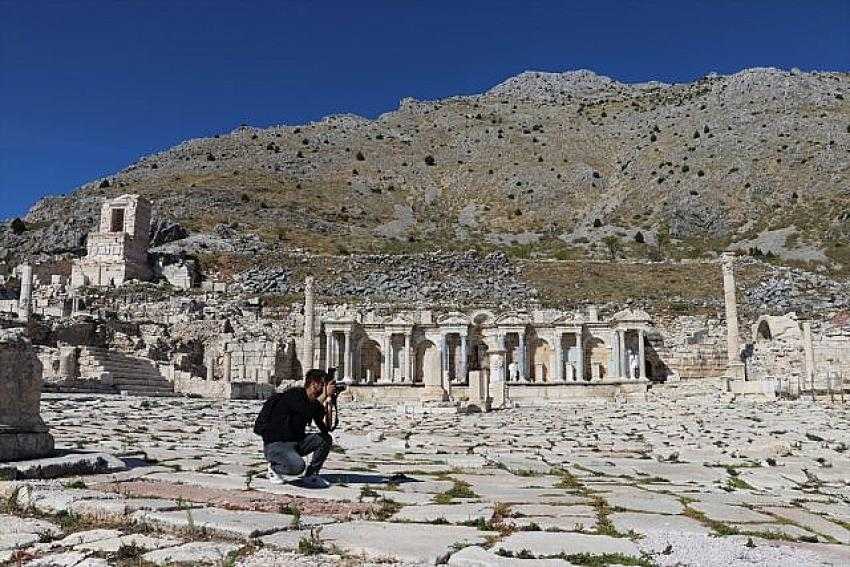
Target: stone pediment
{"type": "Point", "coordinates": [570, 319]}
{"type": "Point", "coordinates": [398, 320]}
{"type": "Point", "coordinates": [454, 318]}
{"type": "Point", "coordinates": [513, 320]}
{"type": "Point", "coordinates": [632, 316]}
{"type": "Point", "coordinates": [482, 317]}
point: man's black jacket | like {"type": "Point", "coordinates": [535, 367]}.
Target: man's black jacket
{"type": "Point", "coordinates": [285, 416]}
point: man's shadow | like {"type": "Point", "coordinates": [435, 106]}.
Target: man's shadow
{"type": "Point", "coordinates": [366, 478]}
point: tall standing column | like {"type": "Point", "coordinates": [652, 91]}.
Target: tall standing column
{"type": "Point", "coordinates": [733, 345]}
{"type": "Point", "coordinates": [328, 349]}
{"type": "Point", "coordinates": [227, 365]}
{"type": "Point", "coordinates": [348, 358]}
{"type": "Point", "coordinates": [641, 354]}
{"type": "Point", "coordinates": [522, 358]}
{"type": "Point", "coordinates": [444, 360]}
{"type": "Point", "coordinates": [463, 359]}
{"type": "Point", "coordinates": [580, 359]}
{"type": "Point", "coordinates": [307, 348]}
{"type": "Point", "coordinates": [624, 354]}
{"type": "Point", "coordinates": [808, 355]}
{"type": "Point", "coordinates": [25, 300]}
{"type": "Point", "coordinates": [407, 376]}
{"type": "Point", "coordinates": [388, 358]}
{"type": "Point", "coordinates": [558, 362]}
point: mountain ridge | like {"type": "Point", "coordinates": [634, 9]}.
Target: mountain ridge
{"type": "Point", "coordinates": [548, 164]}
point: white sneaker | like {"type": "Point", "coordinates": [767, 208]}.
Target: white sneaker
{"type": "Point", "coordinates": [275, 478]}
{"type": "Point", "coordinates": [314, 481]}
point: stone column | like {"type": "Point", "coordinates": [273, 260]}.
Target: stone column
{"type": "Point", "coordinates": [444, 360]}
{"type": "Point", "coordinates": [559, 358]}
{"type": "Point", "coordinates": [227, 366]}
{"type": "Point", "coordinates": [25, 300]}
{"type": "Point", "coordinates": [67, 362]}
{"type": "Point", "coordinates": [348, 357]}
{"type": "Point", "coordinates": [733, 345]}
{"type": "Point", "coordinates": [614, 360]}
{"type": "Point", "coordinates": [328, 349]}
{"type": "Point", "coordinates": [406, 369]}
{"type": "Point", "coordinates": [624, 355]}
{"type": "Point", "coordinates": [580, 360]}
{"type": "Point", "coordinates": [23, 434]}
{"type": "Point", "coordinates": [808, 355]}
{"type": "Point", "coordinates": [641, 354]}
{"type": "Point", "coordinates": [307, 348]}
{"type": "Point", "coordinates": [386, 346]}
{"type": "Point", "coordinates": [463, 358]}
{"type": "Point", "coordinates": [522, 358]}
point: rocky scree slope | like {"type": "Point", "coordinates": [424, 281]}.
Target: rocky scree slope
{"type": "Point", "coordinates": [545, 163]}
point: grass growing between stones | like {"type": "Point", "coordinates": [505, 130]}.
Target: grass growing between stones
{"type": "Point", "coordinates": [584, 559]}
{"type": "Point", "coordinates": [386, 508]}
{"type": "Point", "coordinates": [719, 527]}
{"type": "Point", "coordinates": [312, 544]}
{"type": "Point", "coordinates": [459, 490]}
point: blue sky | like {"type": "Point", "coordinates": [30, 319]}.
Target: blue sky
{"type": "Point", "coordinates": [88, 87]}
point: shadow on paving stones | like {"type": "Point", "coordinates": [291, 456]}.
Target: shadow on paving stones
{"type": "Point", "coordinates": [357, 478]}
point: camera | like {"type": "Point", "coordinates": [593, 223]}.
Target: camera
{"type": "Point", "coordinates": [341, 385]}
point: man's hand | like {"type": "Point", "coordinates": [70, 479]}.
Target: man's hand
{"type": "Point", "coordinates": [330, 389]}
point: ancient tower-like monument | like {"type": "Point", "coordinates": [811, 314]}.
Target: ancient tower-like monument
{"type": "Point", "coordinates": [118, 251]}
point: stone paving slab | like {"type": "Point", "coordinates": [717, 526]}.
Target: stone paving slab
{"type": "Point", "coordinates": [645, 502]}
{"type": "Point", "coordinates": [425, 543]}
{"type": "Point", "coordinates": [55, 500]}
{"type": "Point", "coordinates": [17, 540]}
{"type": "Point", "coordinates": [286, 540]}
{"type": "Point", "coordinates": [14, 525]}
{"type": "Point", "coordinates": [553, 523]}
{"type": "Point", "coordinates": [69, 559]}
{"type": "Point", "coordinates": [642, 523]}
{"type": "Point", "coordinates": [812, 522]}
{"type": "Point", "coordinates": [452, 513]}
{"type": "Point", "coordinates": [118, 509]}
{"type": "Point", "coordinates": [549, 544]}
{"type": "Point", "coordinates": [217, 521]}
{"type": "Point", "coordinates": [728, 513]}
{"type": "Point", "coordinates": [475, 556]}
{"type": "Point", "coordinates": [62, 466]}
{"type": "Point", "coordinates": [141, 541]}
{"type": "Point", "coordinates": [789, 530]}
{"type": "Point", "coordinates": [194, 553]}
{"type": "Point", "coordinates": [552, 510]}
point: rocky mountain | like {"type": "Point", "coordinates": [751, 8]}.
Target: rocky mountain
{"type": "Point", "coordinates": [563, 165]}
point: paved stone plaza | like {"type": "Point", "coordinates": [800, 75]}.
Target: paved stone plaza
{"type": "Point", "coordinates": [674, 480]}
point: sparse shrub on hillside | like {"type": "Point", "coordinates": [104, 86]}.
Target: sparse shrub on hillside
{"type": "Point", "coordinates": [360, 156]}
{"type": "Point", "coordinates": [429, 160]}
{"type": "Point", "coordinates": [639, 237]}
{"type": "Point", "coordinates": [18, 226]}
{"type": "Point", "coordinates": [696, 134]}
{"type": "Point", "coordinates": [614, 246]}
{"type": "Point", "coordinates": [597, 223]}
{"type": "Point", "coordinates": [245, 198]}
{"type": "Point", "coordinates": [104, 184]}
{"type": "Point", "coordinates": [210, 157]}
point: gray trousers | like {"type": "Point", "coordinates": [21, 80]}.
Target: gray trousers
{"type": "Point", "coordinates": [286, 457]}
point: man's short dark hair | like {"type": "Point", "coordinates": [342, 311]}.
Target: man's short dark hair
{"type": "Point", "coordinates": [315, 375]}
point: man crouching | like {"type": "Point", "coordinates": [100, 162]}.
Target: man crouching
{"type": "Point", "coordinates": [282, 422]}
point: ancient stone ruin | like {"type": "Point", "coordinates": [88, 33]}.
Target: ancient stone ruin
{"type": "Point", "coordinates": [23, 434]}
{"type": "Point", "coordinates": [118, 251]}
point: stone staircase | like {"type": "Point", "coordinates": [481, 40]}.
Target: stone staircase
{"type": "Point", "coordinates": [122, 373]}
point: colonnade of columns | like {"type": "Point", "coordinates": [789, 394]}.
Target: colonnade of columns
{"type": "Point", "coordinates": [566, 365]}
